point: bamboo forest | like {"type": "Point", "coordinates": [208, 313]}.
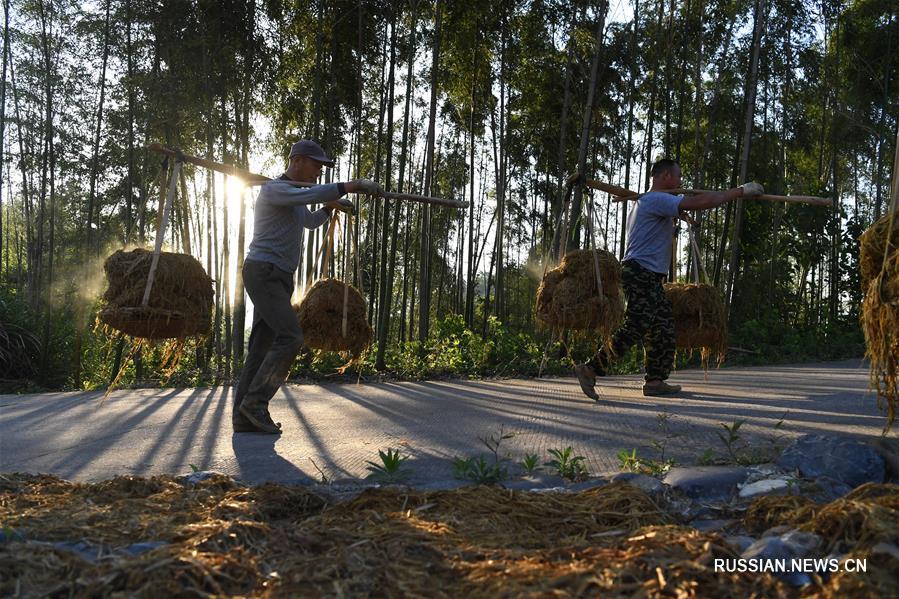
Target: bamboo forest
{"type": "Point", "coordinates": [507, 110]}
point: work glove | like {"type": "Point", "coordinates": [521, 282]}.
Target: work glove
{"type": "Point", "coordinates": [752, 189]}
{"type": "Point", "coordinates": [344, 205]}
{"type": "Point", "coordinates": [369, 187]}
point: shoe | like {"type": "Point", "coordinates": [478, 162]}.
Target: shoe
{"type": "Point", "coordinates": [240, 424]}
{"type": "Point", "coordinates": [586, 377]}
{"type": "Point", "coordinates": [257, 415]}
{"type": "Point", "coordinates": [660, 388]}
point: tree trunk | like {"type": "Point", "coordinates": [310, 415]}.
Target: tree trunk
{"type": "Point", "coordinates": [498, 253]}
{"type": "Point", "coordinates": [371, 233]}
{"type": "Point", "coordinates": [95, 166]}
{"type": "Point", "coordinates": [585, 127]}
{"type": "Point", "coordinates": [746, 145]}
{"type": "Point", "coordinates": [471, 283]}
{"type": "Point", "coordinates": [3, 127]}
{"type": "Point", "coordinates": [629, 152]}
{"type": "Point", "coordinates": [386, 289]}
{"type": "Point", "coordinates": [558, 205]}
{"type": "Point", "coordinates": [424, 301]}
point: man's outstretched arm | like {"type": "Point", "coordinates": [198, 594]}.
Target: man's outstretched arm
{"type": "Point", "coordinates": [704, 201]}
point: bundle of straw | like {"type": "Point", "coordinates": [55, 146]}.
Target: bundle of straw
{"type": "Point", "coordinates": [699, 319]}
{"type": "Point", "coordinates": [569, 298]}
{"type": "Point", "coordinates": [180, 301]}
{"type": "Point", "coordinates": [321, 318]}
{"type": "Point", "coordinates": [879, 264]}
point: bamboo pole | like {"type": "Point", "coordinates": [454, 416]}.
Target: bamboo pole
{"type": "Point", "coordinates": [624, 195]}
{"type": "Point", "coordinates": [251, 178]}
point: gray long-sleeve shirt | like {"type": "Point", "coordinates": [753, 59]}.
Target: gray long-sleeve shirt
{"type": "Point", "coordinates": [281, 214]}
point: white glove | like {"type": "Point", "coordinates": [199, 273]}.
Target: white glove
{"type": "Point", "coordinates": [369, 187]}
{"type": "Point", "coordinates": [752, 189]}
{"type": "Point", "coordinates": [343, 205]}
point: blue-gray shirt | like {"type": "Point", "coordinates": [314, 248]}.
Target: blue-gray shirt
{"type": "Point", "coordinates": [650, 227]}
{"type": "Point", "coordinates": [280, 216]}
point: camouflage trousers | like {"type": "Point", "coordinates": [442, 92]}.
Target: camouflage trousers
{"type": "Point", "coordinates": [648, 319]}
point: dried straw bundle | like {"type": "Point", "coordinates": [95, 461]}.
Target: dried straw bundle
{"type": "Point", "coordinates": [880, 309]}
{"type": "Point", "coordinates": [568, 297]}
{"type": "Point", "coordinates": [180, 300]}
{"type": "Point", "coordinates": [872, 247]}
{"type": "Point", "coordinates": [699, 320]}
{"type": "Point", "coordinates": [220, 538]}
{"type": "Point", "coordinates": [321, 317]}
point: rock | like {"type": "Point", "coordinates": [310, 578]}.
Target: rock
{"type": "Point", "coordinates": [139, 548]}
{"type": "Point", "coordinates": [776, 531]}
{"type": "Point", "coordinates": [86, 551]}
{"type": "Point", "coordinates": [739, 542]}
{"type": "Point", "coordinates": [590, 483]}
{"type": "Point", "coordinates": [769, 486]}
{"type": "Point", "coordinates": [195, 478]}
{"type": "Point", "coordinates": [444, 485]}
{"type": "Point", "coordinates": [889, 451]}
{"type": "Point", "coordinates": [712, 525]}
{"type": "Point", "coordinates": [829, 489]}
{"type": "Point", "coordinates": [791, 545]}
{"type": "Point", "coordinates": [648, 484]}
{"type": "Point", "coordinates": [886, 549]}
{"type": "Point", "coordinates": [10, 535]}
{"type": "Point", "coordinates": [537, 481]}
{"type": "Point", "coordinates": [706, 482]}
{"type": "Point", "coordinates": [843, 459]}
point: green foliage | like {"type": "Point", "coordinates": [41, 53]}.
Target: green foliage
{"type": "Point", "coordinates": [390, 468]}
{"type": "Point", "coordinates": [775, 340]}
{"type": "Point", "coordinates": [629, 461]}
{"type": "Point", "coordinates": [20, 347]}
{"type": "Point", "coordinates": [567, 465]}
{"type": "Point", "coordinates": [732, 438]}
{"type": "Point", "coordinates": [479, 470]}
{"type": "Point", "coordinates": [707, 458]}
{"type": "Point", "coordinates": [530, 463]}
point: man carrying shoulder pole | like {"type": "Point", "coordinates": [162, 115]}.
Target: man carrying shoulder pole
{"type": "Point", "coordinates": [647, 256]}
{"type": "Point", "coordinates": [281, 215]}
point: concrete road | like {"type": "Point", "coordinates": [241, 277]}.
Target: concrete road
{"type": "Point", "coordinates": [338, 427]}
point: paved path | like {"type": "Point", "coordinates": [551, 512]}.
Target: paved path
{"type": "Point", "coordinates": [340, 426]}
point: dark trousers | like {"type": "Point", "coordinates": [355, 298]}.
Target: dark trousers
{"type": "Point", "coordinates": [648, 318]}
{"type": "Point", "coordinates": [276, 338]}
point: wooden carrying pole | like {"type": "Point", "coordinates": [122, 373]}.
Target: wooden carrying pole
{"type": "Point", "coordinates": [624, 195]}
{"type": "Point", "coordinates": [254, 179]}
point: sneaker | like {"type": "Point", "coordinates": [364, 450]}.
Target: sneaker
{"type": "Point", "coordinates": [586, 377]}
{"type": "Point", "coordinates": [258, 416]}
{"type": "Point", "coordinates": [660, 388]}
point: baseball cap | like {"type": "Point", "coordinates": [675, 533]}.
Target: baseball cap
{"type": "Point", "coordinates": [307, 147]}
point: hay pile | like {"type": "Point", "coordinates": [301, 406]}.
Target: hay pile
{"type": "Point", "coordinates": [879, 264]}
{"type": "Point", "coordinates": [180, 300]}
{"type": "Point", "coordinates": [864, 524]}
{"type": "Point", "coordinates": [699, 319]}
{"type": "Point", "coordinates": [148, 537]}
{"type": "Point", "coordinates": [321, 317]}
{"type": "Point", "coordinates": [568, 297]}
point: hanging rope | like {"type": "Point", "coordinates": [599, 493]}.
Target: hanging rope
{"type": "Point", "coordinates": [346, 279]}
{"type": "Point", "coordinates": [697, 264]}
{"type": "Point", "coordinates": [160, 233]}
{"type": "Point", "coordinates": [590, 236]}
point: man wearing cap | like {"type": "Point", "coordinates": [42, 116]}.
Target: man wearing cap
{"type": "Point", "coordinates": [650, 227]}
{"type": "Point", "coordinates": [281, 215]}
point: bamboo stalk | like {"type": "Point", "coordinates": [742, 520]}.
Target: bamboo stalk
{"type": "Point", "coordinates": [624, 195]}
{"type": "Point", "coordinates": [251, 178]}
